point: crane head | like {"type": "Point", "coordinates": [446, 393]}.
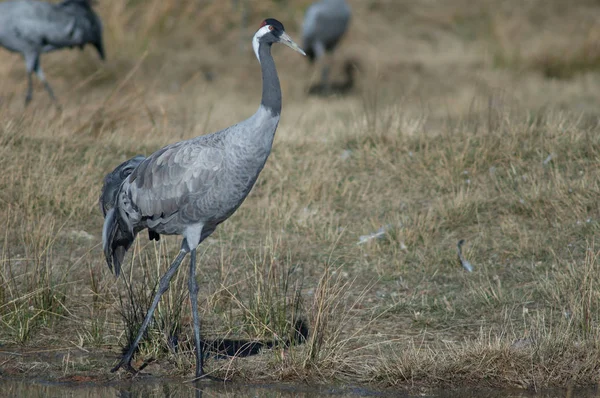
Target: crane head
{"type": "Point", "coordinates": [272, 31]}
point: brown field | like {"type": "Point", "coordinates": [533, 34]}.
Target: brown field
{"type": "Point", "coordinates": [476, 122]}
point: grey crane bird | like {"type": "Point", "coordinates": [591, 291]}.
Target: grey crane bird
{"type": "Point", "coordinates": [33, 27]}
{"type": "Point", "coordinates": [325, 23]}
{"type": "Point", "coordinates": [190, 187]}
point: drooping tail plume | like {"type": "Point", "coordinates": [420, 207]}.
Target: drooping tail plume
{"type": "Point", "coordinates": [113, 182]}
{"type": "Point", "coordinates": [116, 239]}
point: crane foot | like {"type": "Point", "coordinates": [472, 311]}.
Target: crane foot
{"type": "Point", "coordinates": [126, 365]}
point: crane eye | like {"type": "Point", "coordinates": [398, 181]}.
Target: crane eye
{"type": "Point", "coordinates": [271, 27]}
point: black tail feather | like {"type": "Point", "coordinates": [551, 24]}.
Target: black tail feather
{"type": "Point", "coordinates": [116, 240]}
{"type": "Point", "coordinates": [116, 237]}
{"type": "Point", "coordinates": [100, 48]}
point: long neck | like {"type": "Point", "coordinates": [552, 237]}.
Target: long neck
{"type": "Point", "coordinates": [271, 90]}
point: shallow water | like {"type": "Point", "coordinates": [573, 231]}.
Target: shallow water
{"type": "Point", "coordinates": [161, 388]}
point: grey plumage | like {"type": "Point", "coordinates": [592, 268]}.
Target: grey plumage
{"type": "Point", "coordinates": [113, 181]}
{"type": "Point", "coordinates": [33, 27]}
{"type": "Point", "coordinates": [325, 23]}
{"type": "Point", "coordinates": [190, 187]}
{"type": "Point", "coordinates": [107, 200]}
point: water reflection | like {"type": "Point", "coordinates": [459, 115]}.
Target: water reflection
{"type": "Point", "coordinates": [178, 388]}
{"type": "Point", "coordinates": [490, 393]}
{"type": "Point", "coordinates": [154, 388]}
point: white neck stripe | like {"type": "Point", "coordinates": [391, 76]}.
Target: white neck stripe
{"type": "Point", "coordinates": [260, 33]}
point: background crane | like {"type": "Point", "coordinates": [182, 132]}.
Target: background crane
{"type": "Point", "coordinates": [325, 23]}
{"type": "Point", "coordinates": [190, 187]}
{"type": "Point", "coordinates": [34, 27]}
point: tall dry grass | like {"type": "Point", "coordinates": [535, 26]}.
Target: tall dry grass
{"type": "Point", "coordinates": [433, 147]}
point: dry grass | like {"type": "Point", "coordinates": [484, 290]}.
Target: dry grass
{"type": "Point", "coordinates": [437, 145]}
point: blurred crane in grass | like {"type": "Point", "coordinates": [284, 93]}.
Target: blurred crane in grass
{"type": "Point", "coordinates": [190, 187]}
{"type": "Point", "coordinates": [325, 23]}
{"type": "Point", "coordinates": [33, 27]}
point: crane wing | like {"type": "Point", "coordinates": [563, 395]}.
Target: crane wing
{"type": "Point", "coordinates": [172, 178]}
{"type": "Point", "coordinates": [44, 33]}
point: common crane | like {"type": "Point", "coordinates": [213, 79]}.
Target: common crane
{"type": "Point", "coordinates": [33, 27]}
{"type": "Point", "coordinates": [190, 187]}
{"type": "Point", "coordinates": [325, 23]}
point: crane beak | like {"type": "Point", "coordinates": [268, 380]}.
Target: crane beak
{"type": "Point", "coordinates": [287, 40]}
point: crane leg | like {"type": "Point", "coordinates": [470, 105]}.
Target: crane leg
{"type": "Point", "coordinates": [29, 93]}
{"type": "Point", "coordinates": [321, 56]}
{"type": "Point", "coordinates": [163, 285]}
{"type": "Point", "coordinates": [325, 75]}
{"type": "Point", "coordinates": [193, 287]}
{"type": "Point", "coordinates": [40, 74]}
{"type": "Point", "coordinates": [31, 63]}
